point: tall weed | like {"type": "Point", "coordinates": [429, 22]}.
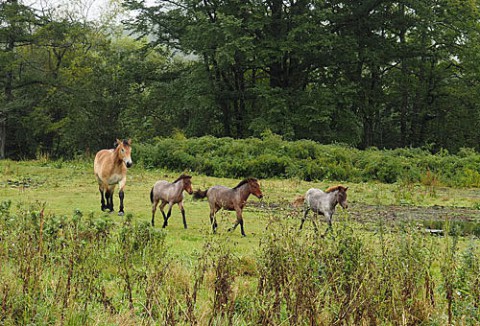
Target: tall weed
{"type": "Point", "coordinates": [86, 269]}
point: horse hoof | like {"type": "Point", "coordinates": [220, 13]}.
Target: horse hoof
{"type": "Point", "coordinates": [120, 213]}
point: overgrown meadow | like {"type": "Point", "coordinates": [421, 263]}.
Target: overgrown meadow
{"type": "Point", "coordinates": [64, 262]}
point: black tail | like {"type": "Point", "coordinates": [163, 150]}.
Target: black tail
{"type": "Point", "coordinates": [151, 196]}
{"type": "Point", "coordinates": [199, 194]}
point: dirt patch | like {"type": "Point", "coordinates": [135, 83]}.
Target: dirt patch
{"type": "Point", "coordinates": [368, 213]}
{"type": "Point", "coordinates": [371, 213]}
{"type": "Point", "coordinates": [22, 183]}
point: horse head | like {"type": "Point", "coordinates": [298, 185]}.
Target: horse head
{"type": "Point", "coordinates": [342, 196]}
{"type": "Point", "coordinates": [187, 184]}
{"type": "Point", "coordinates": [123, 150]}
{"type": "Point", "coordinates": [255, 188]}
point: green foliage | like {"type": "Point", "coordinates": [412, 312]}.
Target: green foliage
{"type": "Point", "coordinates": [87, 269]}
{"type": "Point", "coordinates": [402, 75]}
{"type": "Point", "coordinates": [272, 156]}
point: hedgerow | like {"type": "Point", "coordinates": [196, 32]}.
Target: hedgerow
{"type": "Point", "coordinates": [272, 157]}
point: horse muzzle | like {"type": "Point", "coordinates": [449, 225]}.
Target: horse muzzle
{"type": "Point", "coordinates": [128, 164]}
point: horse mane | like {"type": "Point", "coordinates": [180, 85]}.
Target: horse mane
{"type": "Point", "coordinates": [335, 188]}
{"type": "Point", "coordinates": [244, 181]}
{"type": "Point", "coordinates": [183, 176]}
{"type": "Point", "coordinates": [125, 142]}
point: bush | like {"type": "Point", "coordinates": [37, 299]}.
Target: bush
{"type": "Point", "coordinates": [272, 157]}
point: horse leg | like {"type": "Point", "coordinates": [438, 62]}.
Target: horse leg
{"type": "Point", "coordinates": [162, 206]}
{"type": "Point", "coordinates": [102, 197]}
{"type": "Point", "coordinates": [121, 195]}
{"type": "Point", "coordinates": [213, 221]}
{"type": "Point", "coordinates": [329, 219]}
{"type": "Point", "coordinates": [180, 204]}
{"type": "Point", "coordinates": [241, 226]}
{"type": "Point", "coordinates": [109, 199]}
{"type": "Point", "coordinates": [169, 213]}
{"type": "Point", "coordinates": [314, 222]}
{"type": "Point", "coordinates": [154, 209]}
{"type": "Point", "coordinates": [238, 221]}
{"type": "Point", "coordinates": [304, 217]}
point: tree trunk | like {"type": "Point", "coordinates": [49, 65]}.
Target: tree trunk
{"type": "Point", "coordinates": [240, 96]}
{"type": "Point", "coordinates": [8, 90]}
{"type": "Point", "coordinates": [404, 87]}
{"type": "Point", "coordinates": [3, 134]}
{"type": "Point", "coordinates": [276, 68]}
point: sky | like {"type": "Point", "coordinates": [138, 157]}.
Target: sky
{"type": "Point", "coordinates": [86, 9]}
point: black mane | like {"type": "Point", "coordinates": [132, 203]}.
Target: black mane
{"type": "Point", "coordinates": [244, 182]}
{"type": "Point", "coordinates": [183, 176]}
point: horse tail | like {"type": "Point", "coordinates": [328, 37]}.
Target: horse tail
{"type": "Point", "coordinates": [297, 202]}
{"type": "Point", "coordinates": [199, 194]}
{"type": "Point", "coordinates": [151, 195]}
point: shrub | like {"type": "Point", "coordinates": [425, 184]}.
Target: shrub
{"type": "Point", "coordinates": [272, 156]}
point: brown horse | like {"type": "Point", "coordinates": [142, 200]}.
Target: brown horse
{"type": "Point", "coordinates": [170, 193]}
{"type": "Point", "coordinates": [231, 199]}
{"type": "Point", "coordinates": [323, 203]}
{"type": "Point", "coordinates": [110, 167]}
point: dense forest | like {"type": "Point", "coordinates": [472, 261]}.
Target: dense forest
{"type": "Point", "coordinates": [372, 73]}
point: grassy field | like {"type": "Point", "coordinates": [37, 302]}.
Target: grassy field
{"type": "Point", "coordinates": [70, 185]}
{"type": "Point", "coordinates": [430, 280]}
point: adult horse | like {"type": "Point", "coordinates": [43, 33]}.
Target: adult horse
{"type": "Point", "coordinates": [170, 193]}
{"type": "Point", "coordinates": [110, 167]}
{"type": "Point", "coordinates": [230, 199]}
{"type": "Point", "coordinates": [323, 203]}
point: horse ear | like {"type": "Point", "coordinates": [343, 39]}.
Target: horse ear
{"type": "Point", "coordinates": [346, 188]}
{"type": "Point", "coordinates": [116, 143]}
{"type": "Point", "coordinates": [129, 142]}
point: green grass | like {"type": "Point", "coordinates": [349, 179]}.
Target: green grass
{"type": "Point", "coordinates": [329, 268]}
{"type": "Point", "coordinates": [69, 186]}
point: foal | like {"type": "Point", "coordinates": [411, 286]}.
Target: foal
{"type": "Point", "coordinates": [110, 168]}
{"type": "Point", "coordinates": [230, 199]}
{"type": "Point", "coordinates": [324, 203]}
{"type": "Point", "coordinates": [170, 193]}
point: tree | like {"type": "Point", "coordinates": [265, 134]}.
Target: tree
{"type": "Point", "coordinates": [16, 23]}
